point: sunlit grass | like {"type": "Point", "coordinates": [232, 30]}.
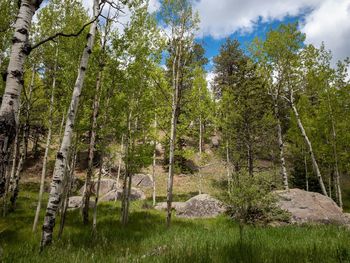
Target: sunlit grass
{"type": "Point", "coordinates": [146, 239]}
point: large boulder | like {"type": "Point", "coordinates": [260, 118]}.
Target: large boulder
{"type": "Point", "coordinates": [201, 206]}
{"type": "Point", "coordinates": [117, 194]}
{"type": "Point", "coordinates": [174, 205]}
{"type": "Point", "coordinates": [77, 201]}
{"type": "Point", "coordinates": [142, 180]}
{"type": "Point", "coordinates": [310, 207]}
{"type": "Point", "coordinates": [106, 185]}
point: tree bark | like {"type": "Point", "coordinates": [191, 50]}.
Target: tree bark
{"type": "Point", "coordinates": [174, 119]}
{"type": "Point", "coordinates": [281, 147]}
{"type": "Point", "coordinates": [47, 146]}
{"type": "Point", "coordinates": [120, 160]}
{"type": "Point", "coordinates": [88, 185]}
{"type": "Point", "coordinates": [14, 83]}
{"type": "Point", "coordinates": [62, 155]}
{"type": "Point", "coordinates": [154, 163]}
{"type": "Point", "coordinates": [309, 145]}
{"type": "Point", "coordinates": [24, 151]}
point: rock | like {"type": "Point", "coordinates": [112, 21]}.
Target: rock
{"type": "Point", "coordinates": [116, 194]}
{"type": "Point", "coordinates": [175, 205]}
{"type": "Point", "coordinates": [201, 206]}
{"type": "Point", "coordinates": [106, 185]}
{"type": "Point", "coordinates": [310, 207]}
{"type": "Point", "coordinates": [142, 180]}
{"type": "Point", "coordinates": [215, 141]}
{"type": "Point", "coordinates": [76, 202]}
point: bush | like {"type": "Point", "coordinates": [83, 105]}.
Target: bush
{"type": "Point", "coordinates": [251, 200]}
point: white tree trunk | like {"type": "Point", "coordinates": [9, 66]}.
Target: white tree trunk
{"type": "Point", "coordinates": [281, 148]}
{"type": "Point", "coordinates": [87, 192]}
{"type": "Point", "coordinates": [47, 146]}
{"type": "Point", "coordinates": [174, 117]}
{"type": "Point", "coordinates": [308, 143]}
{"type": "Point", "coordinates": [154, 164]}
{"type": "Point", "coordinates": [62, 155]}
{"type": "Point", "coordinates": [14, 83]}
{"type": "Point", "coordinates": [120, 160]}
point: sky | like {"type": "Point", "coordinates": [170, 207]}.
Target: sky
{"type": "Point", "coordinates": [325, 21]}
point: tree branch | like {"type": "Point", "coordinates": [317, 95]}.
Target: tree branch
{"type": "Point", "coordinates": [62, 34]}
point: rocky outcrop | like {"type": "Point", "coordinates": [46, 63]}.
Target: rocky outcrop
{"type": "Point", "coordinates": [76, 202]}
{"type": "Point", "coordinates": [310, 207]}
{"type": "Point", "coordinates": [117, 194]}
{"type": "Point", "coordinates": [142, 180]}
{"type": "Point", "coordinates": [106, 185]}
{"type": "Point", "coordinates": [175, 205]}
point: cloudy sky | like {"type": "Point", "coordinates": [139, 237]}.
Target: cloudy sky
{"type": "Point", "coordinates": [321, 20]}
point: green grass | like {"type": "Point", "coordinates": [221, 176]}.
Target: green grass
{"type": "Point", "coordinates": [146, 239]}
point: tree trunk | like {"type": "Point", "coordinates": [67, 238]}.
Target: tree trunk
{"type": "Point", "coordinates": [120, 160]}
{"type": "Point", "coordinates": [154, 163]}
{"type": "Point", "coordinates": [61, 159]}
{"type": "Point", "coordinates": [228, 169]}
{"type": "Point", "coordinates": [174, 118]}
{"type": "Point", "coordinates": [335, 154]}
{"type": "Point", "coordinates": [24, 152]}
{"type": "Point", "coordinates": [308, 143]}
{"type": "Point", "coordinates": [281, 148]}
{"type": "Point", "coordinates": [47, 146]}
{"type": "Point", "coordinates": [306, 174]}
{"type": "Point", "coordinates": [14, 83]}
{"type": "Point", "coordinates": [88, 185]}
{"type": "Point", "coordinates": [200, 135]}
{"type": "Point", "coordinates": [94, 218]}
{"type": "Point", "coordinates": [250, 160]}
{"type": "Point", "coordinates": [67, 192]}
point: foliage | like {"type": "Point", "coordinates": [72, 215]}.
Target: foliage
{"type": "Point", "coordinates": [251, 201]}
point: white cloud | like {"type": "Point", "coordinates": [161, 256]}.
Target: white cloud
{"type": "Point", "coordinates": [221, 18]}
{"type": "Point", "coordinates": [329, 23]}
{"type": "Point", "coordinates": [324, 20]}
{"type": "Point", "coordinates": [210, 80]}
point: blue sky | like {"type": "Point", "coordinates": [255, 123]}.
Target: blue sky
{"type": "Point", "coordinates": [212, 45]}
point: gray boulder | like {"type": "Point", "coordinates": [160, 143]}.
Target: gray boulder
{"type": "Point", "coordinates": [162, 206]}
{"type": "Point", "coordinates": [117, 194]}
{"type": "Point", "coordinates": [310, 207]}
{"type": "Point", "coordinates": [201, 206]}
{"type": "Point", "coordinates": [106, 185]}
{"type": "Point", "coordinates": [142, 180]}
{"type": "Point", "coordinates": [75, 202]}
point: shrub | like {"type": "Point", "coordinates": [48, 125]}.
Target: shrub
{"type": "Point", "coordinates": [252, 201]}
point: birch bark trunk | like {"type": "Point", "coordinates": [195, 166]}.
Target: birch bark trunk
{"type": "Point", "coordinates": [154, 163]}
{"type": "Point", "coordinates": [309, 145]}
{"type": "Point", "coordinates": [88, 185]}
{"type": "Point", "coordinates": [47, 146]}
{"type": "Point", "coordinates": [14, 83]}
{"type": "Point", "coordinates": [174, 117]}
{"type": "Point", "coordinates": [23, 155]}
{"type": "Point", "coordinates": [281, 147]}
{"type": "Point", "coordinates": [62, 155]}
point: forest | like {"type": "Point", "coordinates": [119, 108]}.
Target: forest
{"type": "Point", "coordinates": [116, 146]}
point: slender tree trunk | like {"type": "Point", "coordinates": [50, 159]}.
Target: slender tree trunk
{"type": "Point", "coordinates": [200, 135]}
{"type": "Point", "coordinates": [61, 160]}
{"type": "Point", "coordinates": [335, 154]}
{"type": "Point", "coordinates": [14, 83]}
{"type": "Point", "coordinates": [306, 174]}
{"type": "Point", "coordinates": [24, 152]}
{"type": "Point", "coordinates": [127, 174]}
{"type": "Point", "coordinates": [250, 160]}
{"type": "Point", "coordinates": [88, 185]}
{"type": "Point", "coordinates": [120, 160]}
{"type": "Point", "coordinates": [67, 191]}
{"type": "Point", "coordinates": [281, 148]}
{"type": "Point", "coordinates": [308, 143]}
{"type": "Point", "coordinates": [47, 146]}
{"type": "Point", "coordinates": [94, 218]}
{"type": "Point", "coordinates": [228, 168]}
{"type": "Point", "coordinates": [154, 163]}
{"type": "Point", "coordinates": [62, 124]}
{"type": "Point", "coordinates": [174, 119]}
